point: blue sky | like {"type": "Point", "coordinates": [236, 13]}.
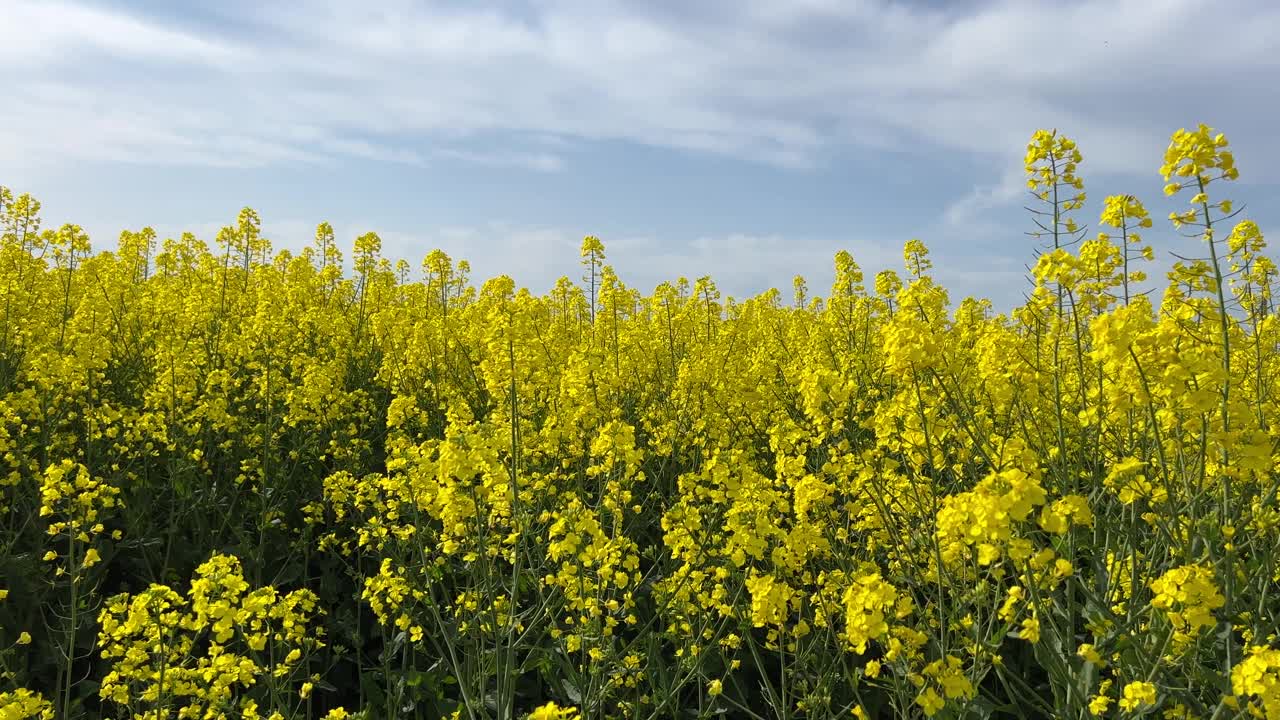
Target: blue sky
{"type": "Point", "coordinates": [749, 140]}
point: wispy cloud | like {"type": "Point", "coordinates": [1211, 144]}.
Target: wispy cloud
{"type": "Point", "coordinates": [542, 161]}
{"type": "Point", "coordinates": [966, 211]}
{"type": "Point", "coordinates": [43, 33]}
{"type": "Point", "coordinates": [774, 83]}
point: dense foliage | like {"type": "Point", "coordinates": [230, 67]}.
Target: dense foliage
{"type": "Point", "coordinates": [244, 483]}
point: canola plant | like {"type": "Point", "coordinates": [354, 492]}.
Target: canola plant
{"type": "Point", "coordinates": [245, 483]}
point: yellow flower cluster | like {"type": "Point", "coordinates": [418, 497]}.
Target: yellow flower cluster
{"type": "Point", "coordinates": [942, 680]}
{"type": "Point", "coordinates": [76, 501]}
{"type": "Point", "coordinates": [985, 517]}
{"type": "Point", "coordinates": [1257, 680]}
{"type": "Point", "coordinates": [1189, 596]}
{"type": "Point", "coordinates": [596, 575]}
{"type": "Point", "coordinates": [204, 654]}
{"type": "Point", "coordinates": [866, 602]}
{"type": "Point", "coordinates": [22, 704]}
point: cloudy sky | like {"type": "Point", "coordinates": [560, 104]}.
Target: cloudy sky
{"type": "Point", "coordinates": [746, 139]}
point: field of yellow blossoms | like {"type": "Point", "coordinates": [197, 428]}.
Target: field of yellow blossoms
{"type": "Point", "coordinates": [245, 483]}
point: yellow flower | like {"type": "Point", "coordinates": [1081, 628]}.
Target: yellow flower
{"type": "Point", "coordinates": [714, 688]}
{"type": "Point", "coordinates": [770, 600]}
{"type": "Point", "coordinates": [22, 704]}
{"type": "Point", "coordinates": [930, 701]}
{"type": "Point", "coordinates": [1030, 629]}
{"type": "Point", "coordinates": [1100, 702]}
{"type": "Point", "coordinates": [1136, 694]}
{"type": "Point", "coordinates": [1258, 676]}
{"type": "Point", "coordinates": [1090, 654]}
{"type": "Point", "coordinates": [1189, 595]}
{"type": "Point", "coordinates": [552, 711]}
{"type": "Point", "coordinates": [867, 601]}
{"type": "Point", "coordinates": [24, 638]}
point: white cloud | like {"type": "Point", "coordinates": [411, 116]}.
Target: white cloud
{"type": "Point", "coordinates": [38, 33]}
{"type": "Point", "coordinates": [371, 151]}
{"type": "Point", "coordinates": [542, 161]}
{"type": "Point", "coordinates": [967, 210]}
{"type": "Point", "coordinates": [780, 83]}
